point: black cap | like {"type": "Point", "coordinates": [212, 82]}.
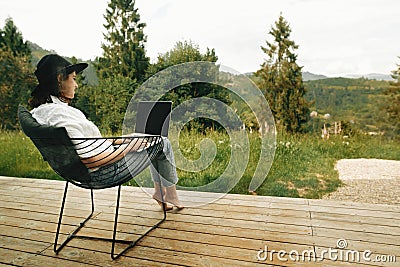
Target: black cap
{"type": "Point", "coordinates": [49, 67]}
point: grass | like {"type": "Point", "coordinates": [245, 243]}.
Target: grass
{"type": "Point", "coordinates": [20, 158]}
{"type": "Point", "coordinates": [303, 165]}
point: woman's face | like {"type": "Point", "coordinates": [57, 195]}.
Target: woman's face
{"type": "Point", "coordinates": [69, 85]}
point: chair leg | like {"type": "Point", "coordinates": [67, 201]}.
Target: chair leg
{"type": "Point", "coordinates": [73, 234]}
{"type": "Point", "coordinates": [133, 243]}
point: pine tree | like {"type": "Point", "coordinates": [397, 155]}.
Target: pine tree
{"type": "Point", "coordinates": [11, 39]}
{"type": "Point", "coordinates": [16, 78]}
{"type": "Point", "coordinates": [280, 79]}
{"type": "Point", "coordinates": [393, 103]}
{"type": "Point", "coordinates": [120, 69]}
{"type": "Point", "coordinates": [124, 48]}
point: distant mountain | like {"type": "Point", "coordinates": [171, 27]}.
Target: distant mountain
{"type": "Point", "coordinates": [38, 52]}
{"type": "Point", "coordinates": [308, 76]}
{"type": "Point", "coordinates": [372, 76]}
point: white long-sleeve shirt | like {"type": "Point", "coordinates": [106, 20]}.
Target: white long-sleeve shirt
{"type": "Point", "coordinates": [60, 114]}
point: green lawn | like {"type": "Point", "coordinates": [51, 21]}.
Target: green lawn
{"type": "Point", "coordinates": [303, 165]}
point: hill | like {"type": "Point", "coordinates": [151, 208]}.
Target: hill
{"type": "Point", "coordinates": [38, 52]}
{"type": "Point", "coordinates": [372, 76]}
{"type": "Point", "coordinates": [360, 102]}
{"type": "Point", "coordinates": [308, 76]}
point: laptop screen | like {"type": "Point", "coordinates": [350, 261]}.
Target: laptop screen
{"type": "Point", "coordinates": [153, 117]}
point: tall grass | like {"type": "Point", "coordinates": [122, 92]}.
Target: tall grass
{"type": "Point", "coordinates": [20, 158]}
{"type": "Point", "coordinates": [303, 165]}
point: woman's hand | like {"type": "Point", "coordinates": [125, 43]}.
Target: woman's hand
{"type": "Point", "coordinates": [137, 144]}
{"type": "Point", "coordinates": [106, 158]}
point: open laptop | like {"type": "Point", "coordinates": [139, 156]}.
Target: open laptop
{"type": "Point", "coordinates": [153, 117]}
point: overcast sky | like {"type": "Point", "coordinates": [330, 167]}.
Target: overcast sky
{"type": "Point", "coordinates": [335, 37]}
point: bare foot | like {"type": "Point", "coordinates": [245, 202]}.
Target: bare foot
{"type": "Point", "coordinates": [175, 202]}
{"type": "Point", "coordinates": [167, 208]}
{"type": "Point", "coordinates": [171, 196]}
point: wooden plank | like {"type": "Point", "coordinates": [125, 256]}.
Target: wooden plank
{"type": "Point", "coordinates": [259, 199]}
{"type": "Point", "coordinates": [357, 227]}
{"type": "Point", "coordinates": [376, 238]}
{"type": "Point", "coordinates": [135, 225]}
{"type": "Point", "coordinates": [87, 251]}
{"type": "Point", "coordinates": [31, 246]}
{"type": "Point", "coordinates": [283, 203]}
{"type": "Point", "coordinates": [358, 219]}
{"type": "Point", "coordinates": [240, 210]}
{"type": "Point", "coordinates": [55, 201]}
{"type": "Point", "coordinates": [227, 232]}
{"type": "Point", "coordinates": [172, 235]}
{"type": "Point", "coordinates": [190, 241]}
{"type": "Point", "coordinates": [353, 205]}
{"type": "Point", "coordinates": [69, 254]}
{"type": "Point", "coordinates": [238, 214]}
{"type": "Point", "coordinates": [276, 246]}
{"type": "Point", "coordinates": [356, 212]}
{"type": "Point", "coordinates": [20, 258]}
{"type": "Point", "coordinates": [153, 255]}
{"type": "Point", "coordinates": [359, 245]}
{"type": "Point", "coordinates": [29, 222]}
{"type": "Point", "coordinates": [187, 214]}
{"type": "Point", "coordinates": [354, 256]}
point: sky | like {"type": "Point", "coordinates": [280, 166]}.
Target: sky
{"type": "Point", "coordinates": [335, 37]}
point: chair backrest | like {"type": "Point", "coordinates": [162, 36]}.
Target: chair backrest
{"type": "Point", "coordinates": [55, 147]}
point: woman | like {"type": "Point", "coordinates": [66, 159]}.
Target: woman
{"type": "Point", "coordinates": [50, 101]}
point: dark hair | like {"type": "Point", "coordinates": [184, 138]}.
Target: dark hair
{"type": "Point", "coordinates": [53, 87]}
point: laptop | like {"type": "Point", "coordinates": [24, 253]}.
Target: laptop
{"type": "Point", "coordinates": [153, 117]}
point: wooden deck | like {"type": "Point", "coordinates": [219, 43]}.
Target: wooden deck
{"type": "Point", "coordinates": [233, 231]}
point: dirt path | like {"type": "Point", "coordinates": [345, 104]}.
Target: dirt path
{"type": "Point", "coordinates": [368, 181]}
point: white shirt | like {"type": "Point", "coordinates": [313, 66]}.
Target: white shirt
{"type": "Point", "coordinates": [60, 114]}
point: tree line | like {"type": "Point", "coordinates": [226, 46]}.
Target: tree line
{"type": "Point", "coordinates": [124, 66]}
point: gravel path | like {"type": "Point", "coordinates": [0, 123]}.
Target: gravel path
{"type": "Point", "coordinates": [368, 180]}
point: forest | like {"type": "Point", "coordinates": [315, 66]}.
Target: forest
{"type": "Point", "coordinates": [358, 102]}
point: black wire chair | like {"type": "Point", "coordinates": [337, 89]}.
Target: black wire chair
{"type": "Point", "coordinates": [64, 156]}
